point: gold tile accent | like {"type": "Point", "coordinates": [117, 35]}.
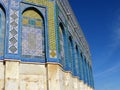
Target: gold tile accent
{"type": "Point", "coordinates": [25, 21]}
{"type": "Point", "coordinates": [38, 23]}
{"type": "Point", "coordinates": [52, 54]}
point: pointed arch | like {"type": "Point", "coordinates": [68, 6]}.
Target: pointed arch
{"type": "Point", "coordinates": [71, 52]}
{"type": "Point", "coordinates": [2, 29]}
{"type": "Point", "coordinates": [77, 60]}
{"type": "Point", "coordinates": [62, 43]}
{"type": "Point", "coordinates": [33, 40]}
{"type": "Point", "coordinates": [82, 66]}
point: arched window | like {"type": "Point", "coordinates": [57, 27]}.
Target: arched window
{"type": "Point", "coordinates": [32, 33]}
{"type": "Point", "coordinates": [61, 42]}
{"type": "Point", "coordinates": [2, 30]}
{"type": "Point", "coordinates": [82, 75]}
{"type": "Point", "coordinates": [85, 70]}
{"type": "Point", "coordinates": [77, 60]}
{"type": "Point", "coordinates": [90, 71]}
{"type": "Point", "coordinates": [91, 76]}
{"type": "Point", "coordinates": [88, 67]}
{"type": "Point", "coordinates": [70, 52]}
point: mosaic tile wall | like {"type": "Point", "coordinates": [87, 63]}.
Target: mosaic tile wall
{"type": "Point", "coordinates": [5, 2]}
{"type": "Point", "coordinates": [13, 35]}
{"type": "Point", "coordinates": [61, 40]}
{"type": "Point", "coordinates": [51, 25]}
{"type": "Point", "coordinates": [76, 60]}
{"type": "Point", "coordinates": [32, 34]}
{"type": "Point", "coordinates": [70, 53]}
{"type": "Point", "coordinates": [13, 32]}
{"type": "Point", "coordinates": [2, 32]}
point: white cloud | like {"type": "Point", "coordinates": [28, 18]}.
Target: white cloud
{"type": "Point", "coordinates": [112, 70]}
{"type": "Point", "coordinates": [114, 44]}
{"type": "Point", "coordinates": [116, 35]}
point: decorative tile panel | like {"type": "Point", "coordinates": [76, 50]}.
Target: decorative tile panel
{"type": "Point", "coordinates": [14, 4]}
{"type": "Point", "coordinates": [13, 34]}
{"type": "Point", "coordinates": [32, 41]}
{"type": "Point", "coordinates": [70, 53]}
{"type": "Point", "coordinates": [76, 60]}
{"type": "Point", "coordinates": [51, 25]}
{"type": "Point", "coordinates": [62, 16]}
{"type": "Point", "coordinates": [43, 2]}
{"type": "Point", "coordinates": [5, 2]}
{"type": "Point", "coordinates": [13, 31]}
{"type": "Point", "coordinates": [32, 34]}
{"type": "Point", "coordinates": [2, 31]}
{"type": "Point", "coordinates": [52, 53]}
{"type": "Point", "coordinates": [61, 42]}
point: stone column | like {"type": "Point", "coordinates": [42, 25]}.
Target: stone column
{"type": "Point", "coordinates": [1, 75]}
{"type": "Point", "coordinates": [81, 84]}
{"type": "Point", "coordinates": [68, 81]}
{"type": "Point", "coordinates": [11, 75]}
{"type": "Point", "coordinates": [55, 79]}
{"type": "Point", "coordinates": [75, 83]}
{"type": "Point", "coordinates": [78, 84]}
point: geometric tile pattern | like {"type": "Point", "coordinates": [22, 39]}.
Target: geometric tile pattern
{"type": "Point", "coordinates": [5, 2]}
{"type": "Point", "coordinates": [70, 53]}
{"type": "Point", "coordinates": [43, 2]}
{"type": "Point", "coordinates": [76, 60]}
{"type": "Point", "coordinates": [15, 4]}
{"type": "Point", "coordinates": [13, 33]}
{"type": "Point", "coordinates": [32, 44]}
{"type": "Point", "coordinates": [61, 42]}
{"type": "Point", "coordinates": [2, 31]}
{"type": "Point", "coordinates": [61, 17]}
{"type": "Point", "coordinates": [32, 34]}
{"type": "Point", "coordinates": [51, 28]}
{"type": "Point", "coordinates": [51, 25]}
{"type": "Point", "coordinates": [52, 54]}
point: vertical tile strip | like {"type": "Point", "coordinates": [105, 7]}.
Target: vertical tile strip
{"type": "Point", "coordinates": [13, 29]}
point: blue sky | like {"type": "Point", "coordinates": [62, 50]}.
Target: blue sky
{"type": "Point", "coordinates": [100, 21]}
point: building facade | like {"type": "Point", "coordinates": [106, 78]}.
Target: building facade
{"type": "Point", "coordinates": [42, 47]}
